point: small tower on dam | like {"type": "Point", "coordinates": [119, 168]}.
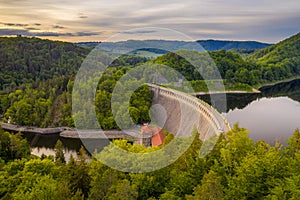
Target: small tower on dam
{"type": "Point", "coordinates": [152, 136]}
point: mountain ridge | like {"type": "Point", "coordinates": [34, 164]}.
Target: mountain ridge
{"type": "Point", "coordinates": [172, 45]}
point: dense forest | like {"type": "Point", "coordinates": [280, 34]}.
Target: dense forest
{"type": "Point", "coordinates": [48, 103]}
{"type": "Point", "coordinates": [279, 61]}
{"type": "Point", "coordinates": [231, 66]}
{"type": "Point", "coordinates": [26, 60]}
{"type": "Point", "coordinates": [236, 168]}
{"type": "Point", "coordinates": [42, 104]}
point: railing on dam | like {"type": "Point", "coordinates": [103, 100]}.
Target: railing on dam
{"type": "Point", "coordinates": [216, 120]}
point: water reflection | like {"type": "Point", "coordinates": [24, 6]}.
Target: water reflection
{"type": "Point", "coordinates": [290, 89]}
{"type": "Point", "coordinates": [272, 115]}
{"type": "Point", "coordinates": [287, 89]}
{"type": "Point", "coordinates": [269, 119]}
{"type": "Point", "coordinates": [233, 100]}
{"type": "Point", "coordinates": [44, 144]}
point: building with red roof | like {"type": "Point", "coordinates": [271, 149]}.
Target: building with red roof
{"type": "Point", "coordinates": [157, 135]}
{"type": "Point", "coordinates": [158, 138]}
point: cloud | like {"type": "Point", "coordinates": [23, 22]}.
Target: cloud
{"type": "Point", "coordinates": [138, 32]}
{"type": "Point", "coordinates": [264, 20]}
{"type": "Point", "coordinates": [17, 25]}
{"type": "Point", "coordinates": [32, 29]}
{"type": "Point", "coordinates": [58, 27]}
{"type": "Point", "coordinates": [9, 32]}
{"type": "Point", "coordinates": [86, 33]}
{"type": "Point", "coordinates": [20, 25]}
{"type": "Point", "coordinates": [49, 34]}
{"type": "Point", "coordinates": [82, 16]}
{"type": "Point", "coordinates": [12, 32]}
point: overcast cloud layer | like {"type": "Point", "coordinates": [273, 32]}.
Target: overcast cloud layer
{"type": "Point", "coordinates": [91, 20]}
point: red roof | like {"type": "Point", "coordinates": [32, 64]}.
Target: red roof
{"type": "Point", "coordinates": [158, 135]}
{"type": "Point", "coordinates": [158, 139]}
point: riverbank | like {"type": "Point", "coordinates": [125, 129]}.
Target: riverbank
{"type": "Point", "coordinates": [219, 86]}
{"type": "Point", "coordinates": [259, 87]}
{"type": "Point", "coordinates": [254, 91]}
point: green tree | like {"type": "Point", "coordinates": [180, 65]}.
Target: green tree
{"type": "Point", "coordinates": [293, 143]}
{"type": "Point", "coordinates": [122, 190]}
{"type": "Point", "coordinates": [45, 188]}
{"type": "Point", "coordinates": [169, 195]}
{"type": "Point", "coordinates": [210, 188]}
{"type": "Point", "coordinates": [59, 152]}
{"type": "Point", "coordinates": [258, 172]}
{"type": "Point", "coordinates": [78, 177]}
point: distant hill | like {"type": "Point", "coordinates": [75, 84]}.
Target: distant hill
{"type": "Point", "coordinates": [151, 48]}
{"type": "Point", "coordinates": [281, 60]}
{"type": "Point", "coordinates": [163, 46]}
{"type": "Point", "coordinates": [26, 60]}
{"type": "Point", "coordinates": [212, 45]}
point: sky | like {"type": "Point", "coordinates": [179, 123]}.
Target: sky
{"type": "Point", "coordinates": [97, 20]}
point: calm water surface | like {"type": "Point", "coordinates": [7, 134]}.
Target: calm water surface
{"type": "Point", "coordinates": [268, 119]}
{"type": "Point", "coordinates": [271, 116]}
{"type": "Point", "coordinates": [44, 144]}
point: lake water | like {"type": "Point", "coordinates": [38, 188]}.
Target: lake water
{"type": "Point", "coordinates": [44, 144]}
{"type": "Point", "coordinates": [271, 116]}
{"type": "Point", "coordinates": [268, 119]}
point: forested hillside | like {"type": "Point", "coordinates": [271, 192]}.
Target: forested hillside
{"type": "Point", "coordinates": [281, 60]}
{"type": "Point", "coordinates": [48, 103]}
{"type": "Point", "coordinates": [230, 65]}
{"type": "Point", "coordinates": [26, 60]}
{"type": "Point", "coordinates": [42, 104]}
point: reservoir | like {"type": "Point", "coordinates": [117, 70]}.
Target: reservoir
{"type": "Point", "coordinates": [272, 115]}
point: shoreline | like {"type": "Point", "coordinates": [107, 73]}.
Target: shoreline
{"type": "Point", "coordinates": [254, 91]}
{"type": "Point", "coordinates": [278, 82]}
